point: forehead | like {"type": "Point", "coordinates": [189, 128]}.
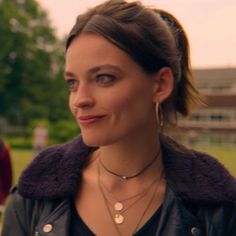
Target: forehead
{"type": "Point", "coordinates": [91, 49]}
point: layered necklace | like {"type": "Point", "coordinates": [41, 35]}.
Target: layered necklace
{"type": "Point", "coordinates": [118, 207]}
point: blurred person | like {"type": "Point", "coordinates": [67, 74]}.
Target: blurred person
{"type": "Point", "coordinates": [128, 73]}
{"type": "Point", "coordinates": [5, 173]}
{"type": "Point", "coordinates": [40, 138]}
{"type": "Point", "coordinates": [192, 137]}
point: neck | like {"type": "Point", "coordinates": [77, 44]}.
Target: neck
{"type": "Point", "coordinates": [131, 156]}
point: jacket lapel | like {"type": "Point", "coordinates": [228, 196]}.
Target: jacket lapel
{"type": "Point", "coordinates": [55, 223]}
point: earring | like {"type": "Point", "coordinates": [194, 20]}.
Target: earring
{"type": "Point", "coordinates": [159, 114]}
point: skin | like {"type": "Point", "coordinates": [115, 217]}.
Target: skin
{"type": "Point", "coordinates": [114, 102]}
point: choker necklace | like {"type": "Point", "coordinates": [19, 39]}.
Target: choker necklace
{"type": "Point", "coordinates": [125, 177]}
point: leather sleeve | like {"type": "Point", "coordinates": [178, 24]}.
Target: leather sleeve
{"type": "Point", "coordinates": [18, 218]}
{"type": "Point", "coordinates": [25, 216]}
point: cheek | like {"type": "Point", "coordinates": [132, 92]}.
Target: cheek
{"type": "Point", "coordinates": [129, 104]}
{"type": "Point", "coordinates": [71, 106]}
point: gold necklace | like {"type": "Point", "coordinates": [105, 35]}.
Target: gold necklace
{"type": "Point", "coordinates": [106, 202]}
{"type": "Point", "coordinates": [119, 204]}
{"type": "Point", "coordinates": [119, 217]}
{"type": "Point", "coordinates": [120, 210]}
{"type": "Point", "coordinates": [149, 204]}
{"type": "Point", "coordinates": [125, 177]}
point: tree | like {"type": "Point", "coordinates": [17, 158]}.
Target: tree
{"type": "Point", "coordinates": [31, 65]}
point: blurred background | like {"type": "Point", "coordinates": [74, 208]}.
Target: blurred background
{"type": "Point", "coordinates": [33, 95]}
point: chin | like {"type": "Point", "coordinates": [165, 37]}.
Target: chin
{"type": "Point", "coordinates": [92, 140]}
{"type": "Point", "coordinates": [98, 140]}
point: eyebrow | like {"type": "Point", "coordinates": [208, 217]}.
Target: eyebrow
{"type": "Point", "coordinates": [105, 66]}
{"type": "Point", "coordinates": [69, 74]}
{"type": "Point", "coordinates": [95, 69]}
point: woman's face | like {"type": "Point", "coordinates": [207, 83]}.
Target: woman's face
{"type": "Point", "coordinates": [111, 97]}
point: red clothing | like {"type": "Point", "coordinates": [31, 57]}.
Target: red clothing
{"type": "Point", "coordinates": [5, 172]}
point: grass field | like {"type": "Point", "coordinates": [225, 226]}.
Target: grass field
{"type": "Point", "coordinates": [20, 159]}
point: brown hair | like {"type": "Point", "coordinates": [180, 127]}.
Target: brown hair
{"type": "Point", "coordinates": [153, 39]}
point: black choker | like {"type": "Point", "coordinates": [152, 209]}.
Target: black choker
{"type": "Point", "coordinates": [125, 177]}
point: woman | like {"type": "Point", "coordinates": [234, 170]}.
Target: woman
{"type": "Point", "coordinates": [128, 72]}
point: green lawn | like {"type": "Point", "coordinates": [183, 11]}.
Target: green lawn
{"type": "Point", "coordinates": [20, 159]}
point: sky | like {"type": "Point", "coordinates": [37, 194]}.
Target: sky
{"type": "Point", "coordinates": [209, 24]}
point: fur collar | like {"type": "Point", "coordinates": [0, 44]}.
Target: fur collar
{"type": "Point", "coordinates": [193, 176]}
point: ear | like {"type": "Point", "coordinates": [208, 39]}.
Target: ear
{"type": "Point", "coordinates": [163, 84]}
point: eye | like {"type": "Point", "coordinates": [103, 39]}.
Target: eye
{"type": "Point", "coordinates": [105, 79]}
{"type": "Point", "coordinates": [72, 84]}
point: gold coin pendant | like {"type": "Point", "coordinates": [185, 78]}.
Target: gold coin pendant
{"type": "Point", "coordinates": [119, 219]}
{"type": "Point", "coordinates": [118, 206]}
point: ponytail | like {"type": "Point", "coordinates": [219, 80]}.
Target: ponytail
{"type": "Point", "coordinates": [185, 96]}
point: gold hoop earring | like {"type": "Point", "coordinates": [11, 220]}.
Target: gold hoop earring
{"type": "Point", "coordinates": [159, 114]}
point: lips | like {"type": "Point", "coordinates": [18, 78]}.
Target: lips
{"type": "Point", "coordinates": [90, 119]}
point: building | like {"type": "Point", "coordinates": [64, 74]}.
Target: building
{"type": "Point", "coordinates": [217, 120]}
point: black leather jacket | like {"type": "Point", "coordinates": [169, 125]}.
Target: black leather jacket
{"type": "Point", "coordinates": [200, 198]}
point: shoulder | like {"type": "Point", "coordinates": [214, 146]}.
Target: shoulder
{"type": "Point", "coordinates": [23, 214]}
{"type": "Point", "coordinates": [196, 176]}
{"type": "Point", "coordinates": [221, 217]}
{"type": "Point", "coordinates": [55, 172]}
{"type": "Point", "coordinates": [26, 205]}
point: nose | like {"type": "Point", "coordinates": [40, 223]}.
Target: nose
{"type": "Point", "coordinates": [82, 98]}
{"type": "Point", "coordinates": [84, 102]}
